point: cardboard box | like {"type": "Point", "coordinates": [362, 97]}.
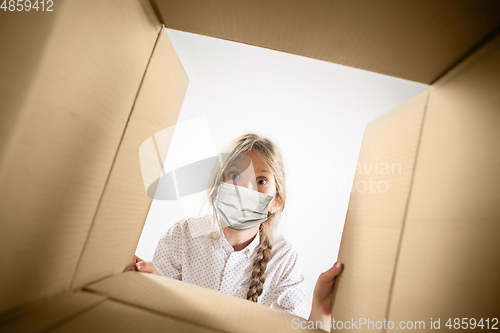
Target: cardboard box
{"type": "Point", "coordinates": [84, 85]}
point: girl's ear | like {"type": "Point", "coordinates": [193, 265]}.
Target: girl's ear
{"type": "Point", "coordinates": [276, 203]}
{"type": "Point", "coordinates": [278, 198]}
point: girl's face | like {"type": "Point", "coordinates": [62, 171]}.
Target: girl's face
{"type": "Point", "coordinates": [257, 176]}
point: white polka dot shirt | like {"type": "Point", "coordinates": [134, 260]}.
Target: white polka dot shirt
{"type": "Point", "coordinates": [185, 254]}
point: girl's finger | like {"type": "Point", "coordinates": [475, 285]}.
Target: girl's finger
{"type": "Point", "coordinates": [145, 267]}
{"type": "Point", "coordinates": [330, 275]}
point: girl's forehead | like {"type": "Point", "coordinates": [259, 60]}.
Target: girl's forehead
{"type": "Point", "coordinates": [256, 158]}
{"type": "Point", "coordinates": [244, 161]}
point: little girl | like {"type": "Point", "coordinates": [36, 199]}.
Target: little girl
{"type": "Point", "coordinates": [234, 249]}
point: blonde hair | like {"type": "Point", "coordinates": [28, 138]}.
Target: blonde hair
{"type": "Point", "coordinates": [272, 157]}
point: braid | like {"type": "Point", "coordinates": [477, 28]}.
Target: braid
{"type": "Point", "coordinates": [259, 266]}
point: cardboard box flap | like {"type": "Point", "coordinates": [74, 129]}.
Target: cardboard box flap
{"type": "Point", "coordinates": [195, 304]}
{"type": "Point", "coordinates": [78, 99]}
{"type": "Point", "coordinates": [124, 206]}
{"type": "Point", "coordinates": [24, 37]}
{"type": "Point", "coordinates": [113, 316]}
{"type": "Point", "coordinates": [448, 265]}
{"type": "Point", "coordinates": [53, 312]}
{"type": "Point", "coordinates": [376, 212]}
{"type": "Point", "coordinates": [413, 40]}
{"type": "Point", "coordinates": [66, 134]}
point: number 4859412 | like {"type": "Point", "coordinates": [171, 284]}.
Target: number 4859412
{"type": "Point", "coordinates": [472, 323]}
{"type": "Point", "coordinates": [27, 5]}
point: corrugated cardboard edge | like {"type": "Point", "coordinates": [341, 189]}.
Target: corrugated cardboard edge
{"type": "Point", "coordinates": [458, 220]}
{"type": "Point", "coordinates": [114, 160]}
{"type": "Point", "coordinates": [124, 204]}
{"type": "Point", "coordinates": [369, 264]}
{"type": "Point", "coordinates": [194, 304]}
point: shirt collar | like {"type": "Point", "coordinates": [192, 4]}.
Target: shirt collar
{"type": "Point", "coordinates": [247, 251]}
{"type": "Point", "coordinates": [201, 226]}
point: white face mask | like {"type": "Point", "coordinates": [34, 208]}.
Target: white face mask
{"type": "Point", "coordinates": [241, 208]}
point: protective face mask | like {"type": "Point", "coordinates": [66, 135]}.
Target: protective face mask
{"type": "Point", "coordinates": [241, 208]}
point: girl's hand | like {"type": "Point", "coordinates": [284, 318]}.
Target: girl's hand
{"type": "Point", "coordinates": [143, 266]}
{"type": "Point", "coordinates": [322, 296]}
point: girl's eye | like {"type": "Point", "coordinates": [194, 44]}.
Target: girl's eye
{"type": "Point", "coordinates": [234, 175]}
{"type": "Point", "coordinates": [262, 181]}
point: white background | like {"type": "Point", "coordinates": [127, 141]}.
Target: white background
{"type": "Point", "coordinates": [315, 111]}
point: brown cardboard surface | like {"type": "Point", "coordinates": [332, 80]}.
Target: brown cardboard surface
{"type": "Point", "coordinates": [54, 312]}
{"type": "Point", "coordinates": [414, 40]}
{"type": "Point", "coordinates": [64, 133]}
{"type": "Point", "coordinates": [117, 317]}
{"type": "Point", "coordinates": [448, 264]}
{"type": "Point", "coordinates": [78, 99]}
{"type": "Point", "coordinates": [195, 304]}
{"type": "Point", "coordinates": [124, 206]}
{"type": "Point", "coordinates": [376, 212]}
{"type": "Point", "coordinates": [24, 37]}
